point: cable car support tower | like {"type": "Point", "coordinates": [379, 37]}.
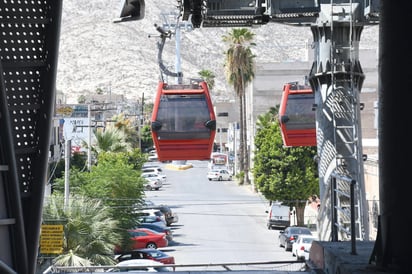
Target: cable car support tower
{"type": "Point", "coordinates": [336, 78]}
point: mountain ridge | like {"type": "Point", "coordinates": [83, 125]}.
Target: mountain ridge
{"type": "Point", "coordinates": [121, 58]}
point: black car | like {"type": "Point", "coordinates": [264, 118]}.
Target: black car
{"type": "Point", "coordinates": [288, 236]}
{"type": "Point", "coordinates": [147, 253]}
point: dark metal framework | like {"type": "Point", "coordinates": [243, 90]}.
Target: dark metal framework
{"type": "Point", "coordinates": [29, 36]}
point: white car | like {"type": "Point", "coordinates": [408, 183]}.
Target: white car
{"type": "Point", "coordinates": [156, 170]}
{"type": "Point", "coordinates": [153, 212]}
{"type": "Point", "coordinates": [301, 247]}
{"type": "Point", "coordinates": [152, 183]}
{"type": "Point", "coordinates": [219, 175]}
{"type": "Point", "coordinates": [158, 176]}
{"type": "Point", "coordinates": [140, 265]}
{"type": "Point", "coordinates": [152, 169]}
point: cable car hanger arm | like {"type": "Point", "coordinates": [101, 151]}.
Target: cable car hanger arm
{"type": "Point", "coordinates": [160, 45]}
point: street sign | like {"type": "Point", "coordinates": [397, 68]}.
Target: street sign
{"type": "Point", "coordinates": [51, 239]}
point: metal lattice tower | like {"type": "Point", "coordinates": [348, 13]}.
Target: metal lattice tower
{"type": "Point", "coordinates": [336, 77]}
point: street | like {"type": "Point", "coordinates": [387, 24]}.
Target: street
{"type": "Point", "coordinates": [219, 221]}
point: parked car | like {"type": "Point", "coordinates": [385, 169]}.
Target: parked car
{"type": "Point", "coordinates": [301, 247]}
{"type": "Point", "coordinates": [278, 216]}
{"type": "Point", "coordinates": [147, 253]}
{"type": "Point", "coordinates": [153, 212]}
{"type": "Point", "coordinates": [151, 219]}
{"type": "Point", "coordinates": [153, 158]}
{"type": "Point", "coordinates": [152, 183]}
{"type": "Point", "coordinates": [219, 175]}
{"type": "Point", "coordinates": [169, 216]}
{"type": "Point", "coordinates": [159, 228]}
{"type": "Point", "coordinates": [288, 236]}
{"type": "Point", "coordinates": [147, 238]}
{"type": "Point", "coordinates": [153, 169]}
{"type": "Point", "coordinates": [158, 176]}
{"type": "Point", "coordinates": [140, 265]}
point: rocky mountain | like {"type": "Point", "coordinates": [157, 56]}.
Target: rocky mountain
{"type": "Point", "coordinates": [121, 58]}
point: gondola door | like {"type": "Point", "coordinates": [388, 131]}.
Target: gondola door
{"type": "Point", "coordinates": [183, 122]}
{"type": "Point", "coordinates": [296, 116]}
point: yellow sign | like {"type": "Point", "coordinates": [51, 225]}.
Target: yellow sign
{"type": "Point", "coordinates": [51, 239]}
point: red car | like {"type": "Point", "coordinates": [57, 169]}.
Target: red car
{"type": "Point", "coordinates": [147, 253]}
{"type": "Point", "coordinates": [147, 238]}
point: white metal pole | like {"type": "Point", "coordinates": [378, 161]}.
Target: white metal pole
{"type": "Point", "coordinates": [89, 145]}
{"type": "Point", "coordinates": [235, 147]}
{"type": "Point", "coordinates": [67, 154]}
{"type": "Point", "coordinates": [220, 140]}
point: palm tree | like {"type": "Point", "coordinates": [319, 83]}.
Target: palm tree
{"type": "Point", "coordinates": [240, 71]}
{"type": "Point", "coordinates": [90, 234]}
{"type": "Point", "coordinates": [111, 139]}
{"type": "Point", "coordinates": [129, 130]}
{"type": "Point", "coordinates": [209, 77]}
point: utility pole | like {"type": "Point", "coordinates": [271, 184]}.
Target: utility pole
{"type": "Point", "coordinates": [67, 154]}
{"type": "Point", "coordinates": [89, 145]}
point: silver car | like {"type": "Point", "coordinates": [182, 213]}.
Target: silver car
{"type": "Point", "coordinates": [152, 183]}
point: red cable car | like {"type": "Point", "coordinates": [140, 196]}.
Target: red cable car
{"type": "Point", "coordinates": [183, 122]}
{"type": "Point", "coordinates": [296, 115]}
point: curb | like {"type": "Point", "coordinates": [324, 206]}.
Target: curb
{"type": "Point", "coordinates": [179, 167]}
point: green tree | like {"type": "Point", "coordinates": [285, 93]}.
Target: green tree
{"type": "Point", "coordinates": [77, 162]}
{"type": "Point", "coordinates": [90, 234]}
{"type": "Point", "coordinates": [116, 181]}
{"type": "Point", "coordinates": [240, 71]}
{"type": "Point", "coordinates": [209, 77]}
{"type": "Point", "coordinates": [146, 137]}
{"type": "Point", "coordinates": [285, 174]}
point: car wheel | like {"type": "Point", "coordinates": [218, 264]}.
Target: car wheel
{"type": "Point", "coordinates": [148, 187]}
{"type": "Point", "coordinates": [220, 178]}
{"type": "Point", "coordinates": [210, 179]}
{"type": "Point", "coordinates": [151, 245]}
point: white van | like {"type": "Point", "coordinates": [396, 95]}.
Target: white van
{"type": "Point", "coordinates": [278, 216]}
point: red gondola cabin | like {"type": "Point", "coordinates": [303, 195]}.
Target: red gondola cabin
{"type": "Point", "coordinates": [183, 122]}
{"type": "Point", "coordinates": [296, 115]}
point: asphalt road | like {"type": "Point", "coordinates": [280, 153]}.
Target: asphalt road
{"type": "Point", "coordinates": [219, 222]}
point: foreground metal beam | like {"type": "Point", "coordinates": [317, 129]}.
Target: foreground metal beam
{"type": "Point", "coordinates": [28, 64]}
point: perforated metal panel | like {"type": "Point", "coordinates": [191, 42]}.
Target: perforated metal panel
{"type": "Point", "coordinates": [29, 35]}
